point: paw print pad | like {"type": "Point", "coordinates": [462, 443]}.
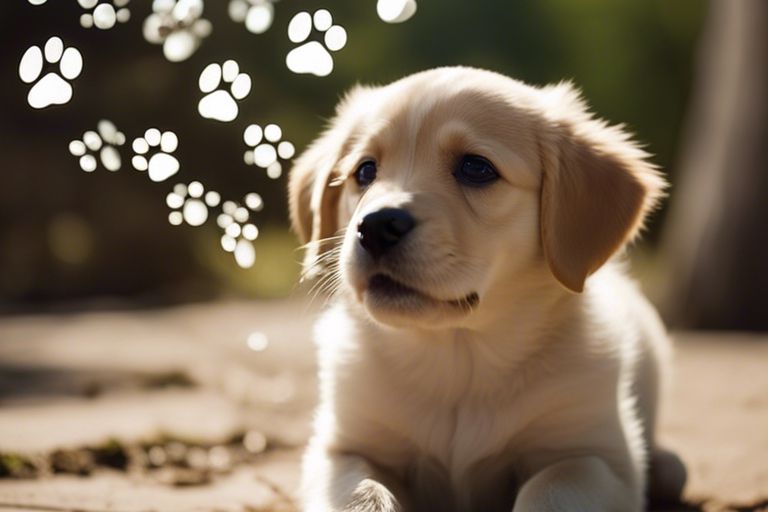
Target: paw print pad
{"type": "Point", "coordinates": [257, 15]}
{"type": "Point", "coordinates": [104, 15]}
{"type": "Point", "coordinates": [267, 148]}
{"type": "Point", "coordinates": [178, 26]}
{"type": "Point", "coordinates": [239, 231]}
{"type": "Point", "coordinates": [53, 88]}
{"type": "Point", "coordinates": [190, 203]}
{"type": "Point", "coordinates": [313, 57]}
{"type": "Point", "coordinates": [219, 103]}
{"type": "Point", "coordinates": [105, 140]}
{"type": "Point", "coordinates": [395, 11]}
{"type": "Point", "coordinates": [153, 154]}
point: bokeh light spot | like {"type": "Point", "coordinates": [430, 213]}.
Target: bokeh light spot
{"type": "Point", "coordinates": [396, 11]}
{"type": "Point", "coordinates": [70, 239]}
{"type": "Point", "coordinates": [257, 341]}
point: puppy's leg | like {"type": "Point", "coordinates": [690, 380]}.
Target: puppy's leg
{"type": "Point", "coordinates": [667, 474]}
{"type": "Point", "coordinates": [584, 484]}
{"type": "Point", "coordinates": [335, 482]}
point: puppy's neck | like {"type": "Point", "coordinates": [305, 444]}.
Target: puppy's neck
{"type": "Point", "coordinates": [502, 340]}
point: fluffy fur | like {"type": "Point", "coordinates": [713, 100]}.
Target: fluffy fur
{"type": "Point", "coordinates": [541, 395]}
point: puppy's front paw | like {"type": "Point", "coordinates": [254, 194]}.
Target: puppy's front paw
{"type": "Point", "coordinates": [371, 496]}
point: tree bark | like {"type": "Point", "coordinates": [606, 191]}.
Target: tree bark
{"type": "Point", "coordinates": [714, 249]}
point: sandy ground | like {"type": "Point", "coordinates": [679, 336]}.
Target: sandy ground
{"type": "Point", "coordinates": [183, 383]}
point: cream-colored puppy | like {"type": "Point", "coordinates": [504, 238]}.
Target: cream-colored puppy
{"type": "Point", "coordinates": [483, 352]}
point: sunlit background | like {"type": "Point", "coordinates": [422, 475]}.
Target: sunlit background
{"type": "Point", "coordinates": [151, 325]}
{"type": "Point", "coordinates": [144, 236]}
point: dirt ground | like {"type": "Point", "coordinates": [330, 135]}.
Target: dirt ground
{"type": "Point", "coordinates": [206, 408]}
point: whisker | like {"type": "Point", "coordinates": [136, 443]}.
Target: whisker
{"type": "Point", "coordinates": [320, 241]}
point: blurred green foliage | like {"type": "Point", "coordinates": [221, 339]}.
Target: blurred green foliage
{"type": "Point", "coordinates": [65, 234]}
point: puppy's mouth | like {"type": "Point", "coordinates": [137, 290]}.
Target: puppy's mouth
{"type": "Point", "coordinates": [385, 290]}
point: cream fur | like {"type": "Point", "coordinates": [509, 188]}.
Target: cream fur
{"type": "Point", "coordinates": [534, 399]}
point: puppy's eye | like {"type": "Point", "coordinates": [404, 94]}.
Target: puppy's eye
{"type": "Point", "coordinates": [475, 171]}
{"type": "Point", "coordinates": [366, 173]}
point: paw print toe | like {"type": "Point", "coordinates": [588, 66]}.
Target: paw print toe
{"type": "Point", "coordinates": [31, 65]}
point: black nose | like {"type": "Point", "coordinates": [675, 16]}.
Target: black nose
{"type": "Point", "coordinates": [383, 229]}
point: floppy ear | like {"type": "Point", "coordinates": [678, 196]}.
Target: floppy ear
{"type": "Point", "coordinates": [313, 198]}
{"type": "Point", "coordinates": [596, 191]}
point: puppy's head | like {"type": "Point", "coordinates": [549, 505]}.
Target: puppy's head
{"type": "Point", "coordinates": [429, 197]}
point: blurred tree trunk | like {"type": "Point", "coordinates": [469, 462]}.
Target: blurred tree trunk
{"type": "Point", "coordinates": [714, 248]}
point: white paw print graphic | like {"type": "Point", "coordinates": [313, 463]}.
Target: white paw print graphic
{"type": "Point", "coordinates": [161, 164]}
{"type": "Point", "coordinates": [104, 15]}
{"type": "Point", "coordinates": [53, 88]}
{"type": "Point", "coordinates": [312, 56]}
{"type": "Point", "coordinates": [257, 15]}
{"type": "Point", "coordinates": [190, 203]}
{"type": "Point", "coordinates": [267, 148]}
{"type": "Point", "coordinates": [37, 2]}
{"type": "Point", "coordinates": [395, 11]}
{"type": "Point", "coordinates": [106, 139]}
{"type": "Point", "coordinates": [178, 26]}
{"type": "Point", "coordinates": [220, 104]}
{"type": "Point", "coordinates": [239, 231]}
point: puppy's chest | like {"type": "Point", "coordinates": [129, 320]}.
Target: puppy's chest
{"type": "Point", "coordinates": [453, 410]}
{"type": "Point", "coordinates": [463, 449]}
{"type": "Point", "coordinates": [463, 458]}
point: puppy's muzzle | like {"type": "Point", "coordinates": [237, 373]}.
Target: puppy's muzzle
{"type": "Point", "coordinates": [383, 229]}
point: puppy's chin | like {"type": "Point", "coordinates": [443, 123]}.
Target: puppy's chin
{"type": "Point", "coordinates": [394, 303]}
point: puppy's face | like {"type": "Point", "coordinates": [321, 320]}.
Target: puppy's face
{"type": "Point", "coordinates": [450, 186]}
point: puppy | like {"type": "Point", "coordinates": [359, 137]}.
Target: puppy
{"type": "Point", "coordinates": [483, 351]}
